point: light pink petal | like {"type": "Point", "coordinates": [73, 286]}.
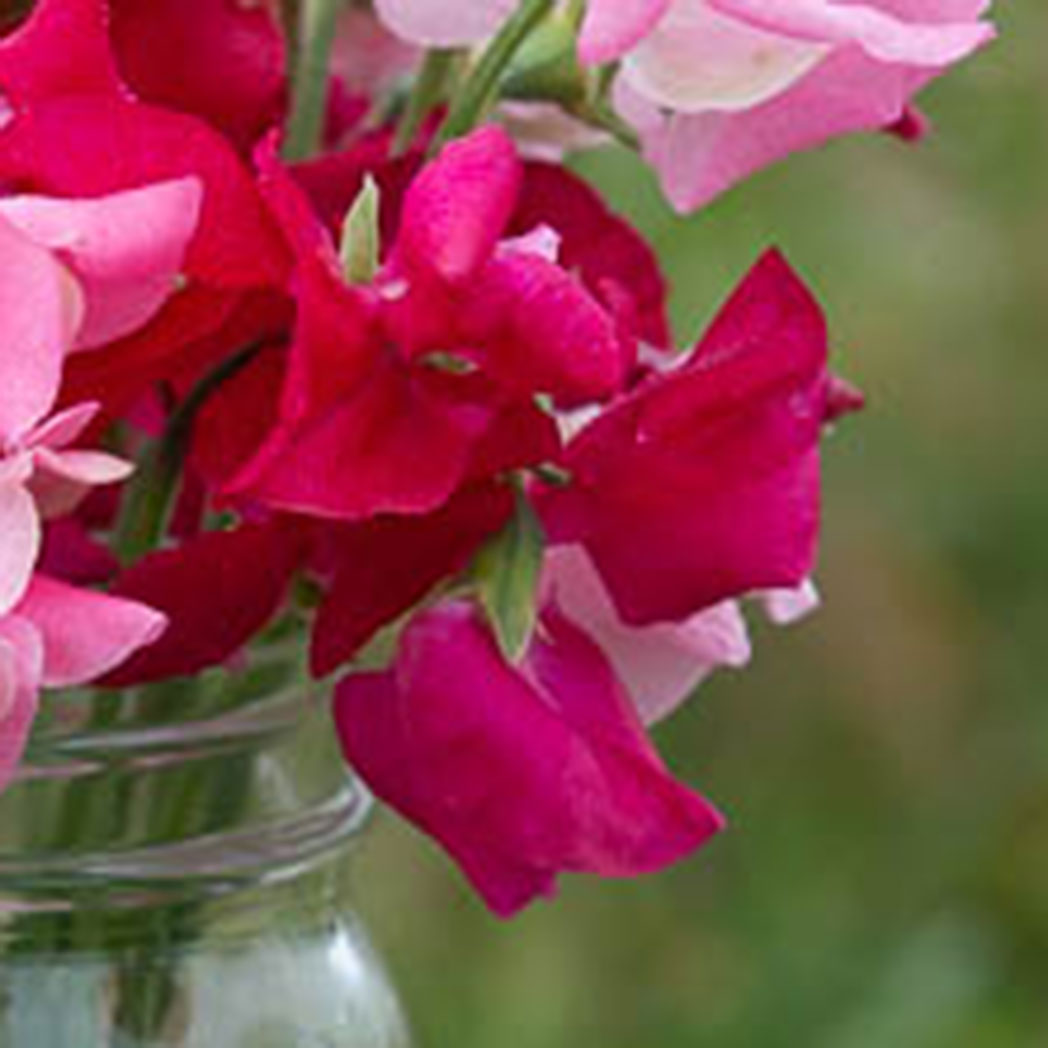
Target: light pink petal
{"type": "Point", "coordinates": [40, 310]}
{"type": "Point", "coordinates": [19, 542]}
{"type": "Point", "coordinates": [62, 428]}
{"type": "Point", "coordinates": [698, 60]}
{"type": "Point", "coordinates": [878, 33]}
{"type": "Point", "coordinates": [85, 633]}
{"type": "Point", "coordinates": [435, 23]}
{"type": "Point", "coordinates": [126, 248]}
{"type": "Point", "coordinates": [700, 155]}
{"type": "Point", "coordinates": [21, 660]}
{"type": "Point", "coordinates": [661, 665]}
{"type": "Point", "coordinates": [62, 478]}
{"type": "Point", "coordinates": [612, 27]}
{"type": "Point", "coordinates": [787, 606]}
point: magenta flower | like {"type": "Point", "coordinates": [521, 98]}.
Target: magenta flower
{"type": "Point", "coordinates": [372, 418]}
{"type": "Point", "coordinates": [520, 773]}
{"type": "Point", "coordinates": [703, 483]}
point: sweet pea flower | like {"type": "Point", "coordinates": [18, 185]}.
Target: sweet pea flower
{"type": "Point", "coordinates": [73, 274]}
{"type": "Point", "coordinates": [702, 484]}
{"type": "Point", "coordinates": [721, 88]}
{"type": "Point", "coordinates": [521, 773]}
{"type": "Point", "coordinates": [371, 418]}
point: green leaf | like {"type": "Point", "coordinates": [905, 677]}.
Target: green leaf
{"type": "Point", "coordinates": [359, 248]}
{"type": "Point", "coordinates": [506, 574]}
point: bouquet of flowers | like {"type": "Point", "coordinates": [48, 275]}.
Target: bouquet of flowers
{"type": "Point", "coordinates": [305, 321]}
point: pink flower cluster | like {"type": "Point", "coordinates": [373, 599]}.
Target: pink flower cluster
{"type": "Point", "coordinates": [435, 384]}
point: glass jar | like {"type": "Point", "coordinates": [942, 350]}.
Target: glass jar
{"type": "Point", "coordinates": [173, 874]}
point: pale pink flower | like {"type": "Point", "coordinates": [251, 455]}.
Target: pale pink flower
{"type": "Point", "coordinates": [720, 88]}
{"type": "Point", "coordinates": [73, 274]}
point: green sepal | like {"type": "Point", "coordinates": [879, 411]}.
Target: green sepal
{"type": "Point", "coordinates": [506, 577]}
{"type": "Point", "coordinates": [359, 246]}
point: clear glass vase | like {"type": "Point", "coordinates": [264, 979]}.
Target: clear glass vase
{"type": "Point", "coordinates": [173, 874]}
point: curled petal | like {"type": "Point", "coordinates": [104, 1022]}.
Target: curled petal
{"type": "Point", "coordinates": [62, 478]}
{"type": "Point", "coordinates": [457, 209]}
{"type": "Point", "coordinates": [520, 773]}
{"type": "Point", "coordinates": [661, 664]}
{"type": "Point", "coordinates": [612, 27]}
{"type": "Point", "coordinates": [85, 634]}
{"type": "Point", "coordinates": [40, 312]}
{"type": "Point", "coordinates": [125, 249]}
{"type": "Point", "coordinates": [882, 35]}
{"type": "Point", "coordinates": [19, 542]}
{"type": "Point", "coordinates": [63, 427]}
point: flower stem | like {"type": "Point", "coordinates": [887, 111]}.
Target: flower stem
{"type": "Point", "coordinates": [427, 92]}
{"type": "Point", "coordinates": [150, 496]}
{"type": "Point", "coordinates": [316, 34]}
{"type": "Point", "coordinates": [479, 90]}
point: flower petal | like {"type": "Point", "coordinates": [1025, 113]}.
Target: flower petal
{"type": "Point", "coordinates": [878, 32]}
{"type": "Point", "coordinates": [40, 311]}
{"type": "Point", "coordinates": [457, 209]}
{"type": "Point", "coordinates": [520, 774]}
{"type": "Point", "coordinates": [660, 665]}
{"type": "Point", "coordinates": [21, 662]}
{"type": "Point", "coordinates": [612, 27]}
{"type": "Point", "coordinates": [85, 633]}
{"type": "Point", "coordinates": [431, 24]}
{"type": "Point", "coordinates": [19, 542]}
{"type": "Point", "coordinates": [125, 248]}
{"type": "Point", "coordinates": [217, 590]}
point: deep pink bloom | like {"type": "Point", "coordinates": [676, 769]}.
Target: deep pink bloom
{"type": "Point", "coordinates": [371, 420]}
{"type": "Point", "coordinates": [703, 484]}
{"type": "Point", "coordinates": [520, 773]}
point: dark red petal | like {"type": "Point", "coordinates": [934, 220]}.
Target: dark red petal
{"type": "Point", "coordinates": [89, 146]}
{"type": "Point", "coordinates": [704, 483]}
{"type": "Point", "coordinates": [221, 61]}
{"type": "Point", "coordinates": [61, 49]}
{"type": "Point", "coordinates": [218, 591]}
{"type": "Point", "coordinates": [399, 443]}
{"type": "Point", "coordinates": [385, 566]}
{"type": "Point", "coordinates": [607, 253]}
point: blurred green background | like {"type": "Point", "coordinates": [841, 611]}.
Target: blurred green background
{"type": "Point", "coordinates": [884, 883]}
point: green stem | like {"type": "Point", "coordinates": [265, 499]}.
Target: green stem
{"type": "Point", "coordinates": [426, 93]}
{"type": "Point", "coordinates": [150, 494]}
{"type": "Point", "coordinates": [316, 34]}
{"type": "Point", "coordinates": [479, 90]}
